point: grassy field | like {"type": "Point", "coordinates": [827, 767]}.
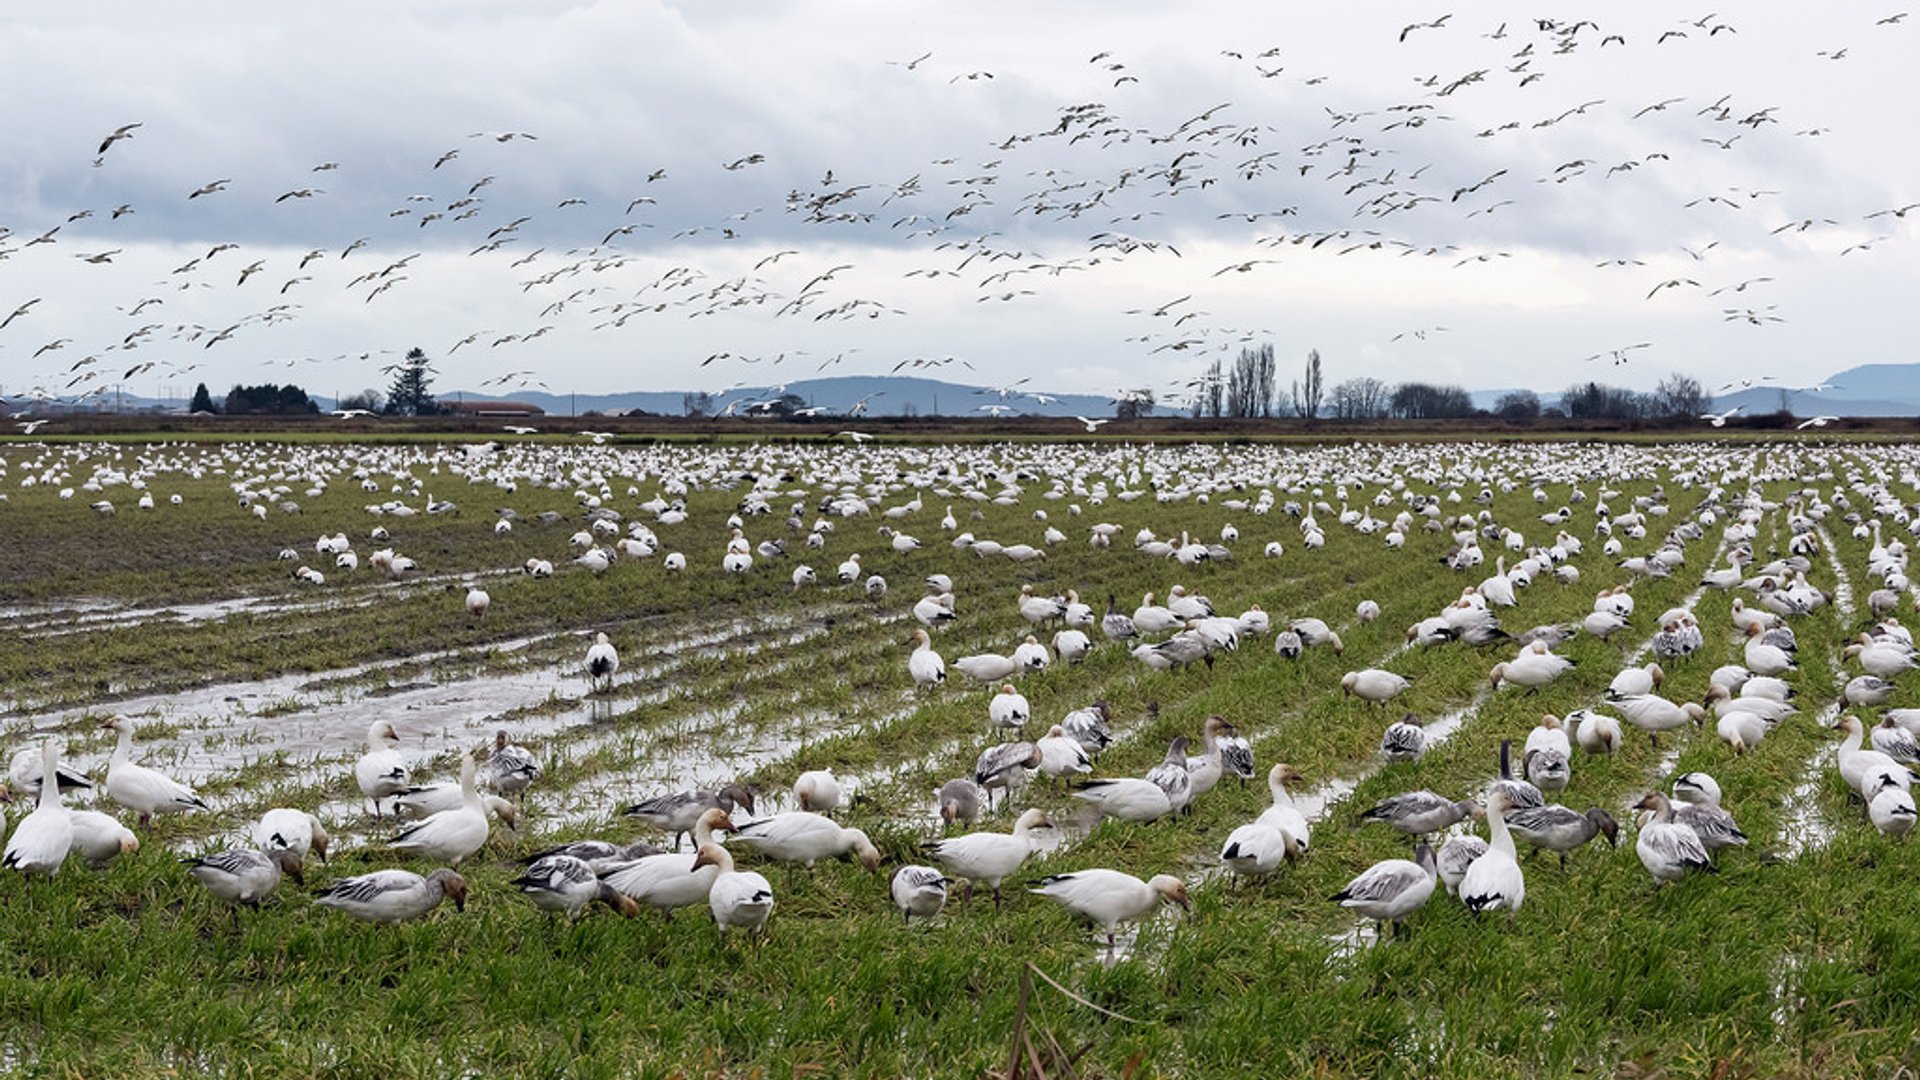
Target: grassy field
{"type": "Point", "coordinates": [1798, 958]}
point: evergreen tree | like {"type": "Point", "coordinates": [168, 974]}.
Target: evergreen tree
{"type": "Point", "coordinates": [202, 401]}
{"type": "Point", "coordinates": [412, 393]}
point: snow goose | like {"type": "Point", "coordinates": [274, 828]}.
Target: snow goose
{"type": "Point", "coordinates": [1560, 829]}
{"type": "Point", "coordinates": [422, 801]}
{"type": "Point", "coordinates": [1282, 814]}
{"type": "Point", "coordinates": [1895, 741]}
{"type": "Point", "coordinates": [1404, 740]}
{"type": "Point", "coordinates": [1372, 685]}
{"type": "Point", "coordinates": [1700, 810]}
{"type": "Point", "coordinates": [1128, 799]}
{"type": "Point", "coordinates": [1004, 767]}
{"type": "Point", "coordinates": [295, 830]}
{"type": "Point", "coordinates": [1030, 655]}
{"type": "Point", "coordinates": [989, 858]}
{"type": "Point", "coordinates": [566, 885]}
{"type": "Point", "coordinates": [737, 898]}
{"type": "Point", "coordinates": [671, 880]}
{"type": "Point", "coordinates": [1316, 632]}
{"type": "Point", "coordinates": [1061, 754]}
{"type": "Point", "coordinates": [1667, 849]}
{"type": "Point", "coordinates": [925, 665]}
{"type": "Point", "coordinates": [1533, 668]}
{"type": "Point", "coordinates": [1038, 609]}
{"type": "Point", "coordinates": [1172, 777]}
{"type": "Point", "coordinates": [23, 773]}
{"type": "Point", "coordinates": [1366, 611]}
{"type": "Point", "coordinates": [394, 896]}
{"type": "Point", "coordinates": [138, 788]}
{"type": "Point", "coordinates": [1088, 727]}
{"type": "Point", "coordinates": [1204, 771]}
{"type": "Point", "coordinates": [1634, 681]}
{"type": "Point", "coordinates": [1494, 881]}
{"type": "Point", "coordinates": [1116, 626]}
{"type": "Point", "coordinates": [1458, 853]}
{"type": "Point", "coordinates": [985, 667]}
{"type": "Point", "coordinates": [1764, 659]}
{"type": "Point", "coordinates": [1767, 708]}
{"type": "Point", "coordinates": [817, 790]}
{"type": "Point", "coordinates": [1519, 792]}
{"type": "Point", "coordinates": [1741, 730]}
{"type": "Point", "coordinates": [599, 855]}
{"type": "Point", "coordinates": [381, 771]}
{"type": "Point", "coordinates": [1390, 890]}
{"type": "Point", "coordinates": [42, 839]}
{"type": "Point", "coordinates": [1256, 849]}
{"type": "Point", "coordinates": [1857, 765]}
{"type": "Point", "coordinates": [244, 875]}
{"type": "Point", "coordinates": [1108, 898]}
{"type": "Point", "coordinates": [959, 801]}
{"type": "Point", "coordinates": [917, 890]}
{"type": "Point", "coordinates": [602, 662]}
{"type": "Point", "coordinates": [934, 609]}
{"type": "Point", "coordinates": [1654, 714]}
{"type": "Point", "coordinates": [100, 838]}
{"type": "Point", "coordinates": [510, 769]}
{"type": "Point", "coordinates": [1236, 757]}
{"type": "Point", "coordinates": [1594, 732]}
{"type": "Point", "coordinates": [1072, 646]}
{"type": "Point", "coordinates": [1878, 656]}
{"type": "Point", "coordinates": [1418, 813]}
{"type": "Point", "coordinates": [682, 812]}
{"type": "Point", "coordinates": [1890, 807]}
{"type": "Point", "coordinates": [803, 836]}
{"type": "Point", "coordinates": [1603, 624]}
{"type": "Point", "coordinates": [450, 835]}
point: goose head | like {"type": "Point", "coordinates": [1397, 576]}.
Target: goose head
{"type": "Point", "coordinates": [1171, 890]}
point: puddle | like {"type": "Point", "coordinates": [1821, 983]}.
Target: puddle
{"type": "Point", "coordinates": [1806, 826]}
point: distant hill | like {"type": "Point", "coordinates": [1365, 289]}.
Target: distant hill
{"type": "Point", "coordinates": [885, 396]}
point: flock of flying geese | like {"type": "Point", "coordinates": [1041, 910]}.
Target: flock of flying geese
{"type": "Point", "coordinates": [447, 823]}
{"type": "Point", "coordinates": [1095, 176]}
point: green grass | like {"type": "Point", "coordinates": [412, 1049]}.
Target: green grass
{"type": "Point", "coordinates": [1777, 965]}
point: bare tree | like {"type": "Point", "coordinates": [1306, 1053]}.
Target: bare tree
{"type": "Point", "coordinates": [1133, 404]}
{"type": "Point", "coordinates": [1680, 395]}
{"type": "Point", "coordinates": [1364, 398]}
{"type": "Point", "coordinates": [1307, 389]}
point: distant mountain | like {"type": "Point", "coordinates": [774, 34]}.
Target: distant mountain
{"type": "Point", "coordinates": [1762, 400]}
{"type": "Point", "coordinates": [885, 395]}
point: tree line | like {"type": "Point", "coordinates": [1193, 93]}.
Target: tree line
{"type": "Point", "coordinates": [1247, 390]}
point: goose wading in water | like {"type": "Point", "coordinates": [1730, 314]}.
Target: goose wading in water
{"type": "Point", "coordinates": [138, 788]}
{"type": "Point", "coordinates": [381, 772]}
{"type": "Point", "coordinates": [394, 896]}
{"type": "Point", "coordinates": [1389, 891]}
{"type": "Point", "coordinates": [1108, 898]}
{"type": "Point", "coordinates": [603, 661]}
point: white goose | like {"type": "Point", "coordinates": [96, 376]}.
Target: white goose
{"type": "Point", "coordinates": [381, 771]}
{"type": "Point", "coordinates": [138, 788]}
{"type": "Point", "coordinates": [1009, 708]}
{"type": "Point", "coordinates": [1108, 898]}
{"type": "Point", "coordinates": [602, 662]}
{"type": "Point", "coordinates": [295, 830]}
{"type": "Point", "coordinates": [566, 884]}
{"type": "Point", "coordinates": [42, 839]}
{"type": "Point", "coordinates": [1857, 765]}
{"type": "Point", "coordinates": [671, 880]}
{"type": "Point", "coordinates": [1594, 732]}
{"type": "Point", "coordinates": [817, 790]}
{"type": "Point", "coordinates": [1654, 714]}
{"type": "Point", "coordinates": [989, 858]}
{"type": "Point", "coordinates": [243, 875]}
{"type": "Point", "coordinates": [450, 835]}
{"type": "Point", "coordinates": [802, 836]}
{"type": "Point", "coordinates": [1666, 848]}
{"type": "Point", "coordinates": [1535, 667]}
{"type": "Point", "coordinates": [1283, 815]}
{"type": "Point", "coordinates": [1494, 881]}
{"type": "Point", "coordinates": [394, 896]}
{"type": "Point", "coordinates": [1390, 890]}
{"type": "Point", "coordinates": [100, 838]}
{"type": "Point", "coordinates": [1373, 685]}
{"type": "Point", "coordinates": [917, 890]}
{"type": "Point", "coordinates": [737, 898]}
{"type": "Point", "coordinates": [925, 665]}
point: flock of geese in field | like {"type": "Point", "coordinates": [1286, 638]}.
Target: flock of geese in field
{"type": "Point", "coordinates": [1707, 516]}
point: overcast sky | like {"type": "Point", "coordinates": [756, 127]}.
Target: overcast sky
{"type": "Point", "coordinates": [1096, 196]}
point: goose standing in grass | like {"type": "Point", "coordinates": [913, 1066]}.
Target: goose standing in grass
{"type": "Point", "coordinates": [1108, 898]}
{"type": "Point", "coordinates": [1172, 777]}
{"type": "Point", "coordinates": [1390, 890]}
{"type": "Point", "coordinates": [1282, 814]}
{"type": "Point", "coordinates": [817, 790]}
{"type": "Point", "coordinates": [1494, 881]}
{"type": "Point", "coordinates": [1204, 771]}
{"type": "Point", "coordinates": [296, 830]}
{"type": "Point", "coordinates": [138, 788]}
{"type": "Point", "coordinates": [1699, 797]}
{"type": "Point", "coordinates": [1654, 714]}
{"type": "Point", "coordinates": [1896, 742]}
{"type": "Point", "coordinates": [959, 801]}
{"type": "Point", "coordinates": [1373, 685]}
{"type": "Point", "coordinates": [1668, 849]}
{"type": "Point", "coordinates": [394, 896]}
{"type": "Point", "coordinates": [1458, 853]}
{"type": "Point", "coordinates": [100, 838]}
{"type": "Point", "coordinates": [23, 773]}
{"type": "Point", "coordinates": [671, 880]}
{"type": "Point", "coordinates": [1236, 757]}
{"type": "Point", "coordinates": [917, 890]}
{"type": "Point", "coordinates": [244, 875]}
{"type": "Point", "coordinates": [1857, 765]}
{"type": "Point", "coordinates": [681, 813]}
{"type": "Point", "coordinates": [510, 769]}
{"type": "Point", "coordinates": [1138, 801]}
{"type": "Point", "coordinates": [1419, 813]}
{"type": "Point", "coordinates": [381, 772]}
{"type": "Point", "coordinates": [1061, 755]}
{"type": "Point", "coordinates": [924, 664]}
{"type": "Point", "coordinates": [1116, 626]}
{"type": "Point", "coordinates": [422, 801]}
{"type": "Point", "coordinates": [1004, 767]}
{"type": "Point", "coordinates": [599, 855]}
{"type": "Point", "coordinates": [1404, 740]}
{"type": "Point", "coordinates": [1635, 681]}
{"type": "Point", "coordinates": [1547, 760]}
{"type": "Point", "coordinates": [802, 836]}
{"type": "Point", "coordinates": [989, 858]}
{"type": "Point", "coordinates": [1072, 646]}
{"type": "Point", "coordinates": [986, 667]}
{"type": "Point", "coordinates": [1763, 658]}
{"type": "Point", "coordinates": [1890, 807]}
{"type": "Point", "coordinates": [565, 884]}
{"type": "Point", "coordinates": [1594, 732]}
{"type": "Point", "coordinates": [450, 835]}
{"type": "Point", "coordinates": [1008, 709]}
{"type": "Point", "coordinates": [1561, 829]}
{"type": "Point", "coordinates": [738, 898]}
{"type": "Point", "coordinates": [1256, 849]}
{"type": "Point", "coordinates": [1535, 667]}
{"type": "Point", "coordinates": [602, 662]}
{"type": "Point", "coordinates": [934, 610]}
{"type": "Point", "coordinates": [1315, 632]}
{"type": "Point", "coordinates": [40, 842]}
